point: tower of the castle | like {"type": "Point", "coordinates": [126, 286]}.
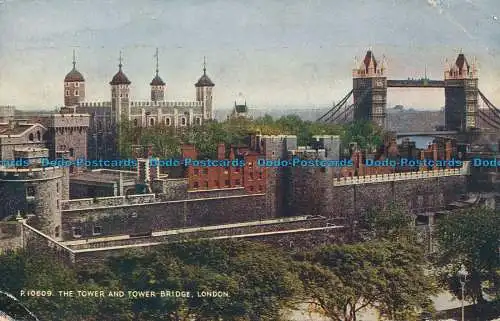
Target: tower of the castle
{"type": "Point", "coordinates": [74, 86]}
{"type": "Point", "coordinates": [204, 88]}
{"type": "Point", "coordinates": [370, 90]}
{"type": "Point", "coordinates": [120, 90]}
{"type": "Point", "coordinates": [461, 94]}
{"type": "Point", "coordinates": [158, 86]}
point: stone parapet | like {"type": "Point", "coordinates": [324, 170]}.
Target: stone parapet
{"type": "Point", "coordinates": [370, 179]}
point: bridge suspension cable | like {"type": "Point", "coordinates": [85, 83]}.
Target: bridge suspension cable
{"type": "Point", "coordinates": [490, 105]}
{"type": "Point", "coordinates": [488, 120]}
{"type": "Point", "coordinates": [344, 113]}
{"type": "Point", "coordinates": [329, 114]}
{"type": "Point", "coordinates": [353, 106]}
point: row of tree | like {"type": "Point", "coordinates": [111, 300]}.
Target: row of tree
{"type": "Point", "coordinates": [166, 141]}
{"type": "Point", "coordinates": [388, 272]}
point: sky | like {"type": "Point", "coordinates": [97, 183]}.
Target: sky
{"type": "Point", "coordinates": [273, 53]}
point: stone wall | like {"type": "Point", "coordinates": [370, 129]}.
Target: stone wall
{"type": "Point", "coordinates": [37, 191]}
{"type": "Point", "coordinates": [418, 195]}
{"type": "Point", "coordinates": [218, 231]}
{"type": "Point", "coordinates": [293, 240]}
{"type": "Point", "coordinates": [10, 235]}
{"type": "Point", "coordinates": [171, 189]}
{"type": "Point", "coordinates": [111, 217]}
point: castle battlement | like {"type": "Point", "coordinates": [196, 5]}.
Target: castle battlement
{"type": "Point", "coordinates": [37, 173]}
{"type": "Point", "coordinates": [95, 104]}
{"type": "Point", "coordinates": [69, 120]}
{"type": "Point", "coordinates": [166, 104]}
{"type": "Point", "coordinates": [370, 179]}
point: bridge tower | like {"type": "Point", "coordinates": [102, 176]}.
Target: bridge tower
{"type": "Point", "coordinates": [370, 90]}
{"type": "Point", "coordinates": [461, 95]}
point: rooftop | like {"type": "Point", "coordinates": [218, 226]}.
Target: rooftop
{"type": "Point", "coordinates": [14, 128]}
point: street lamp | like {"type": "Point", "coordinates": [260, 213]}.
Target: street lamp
{"type": "Point", "coordinates": [462, 276]}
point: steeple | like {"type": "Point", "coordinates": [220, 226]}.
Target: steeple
{"type": "Point", "coordinates": [74, 75]}
{"type": "Point", "coordinates": [157, 81]}
{"type": "Point", "coordinates": [120, 78]}
{"type": "Point", "coordinates": [204, 80]}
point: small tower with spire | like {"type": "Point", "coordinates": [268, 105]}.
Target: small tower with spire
{"type": "Point", "coordinates": [158, 86]}
{"type": "Point", "coordinates": [120, 90]}
{"type": "Point", "coordinates": [204, 91]}
{"type": "Point", "coordinates": [74, 86]}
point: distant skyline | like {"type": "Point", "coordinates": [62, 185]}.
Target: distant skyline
{"type": "Point", "coordinates": [276, 53]}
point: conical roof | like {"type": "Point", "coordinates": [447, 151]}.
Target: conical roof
{"type": "Point", "coordinates": [120, 78]}
{"type": "Point", "coordinates": [157, 81]}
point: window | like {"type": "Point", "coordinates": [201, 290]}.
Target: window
{"type": "Point", "coordinates": [71, 152]}
{"type": "Point", "coordinates": [420, 201]}
{"type": "Point", "coordinates": [67, 92]}
{"type": "Point", "coordinates": [260, 188]}
{"type": "Point", "coordinates": [198, 121]}
{"type": "Point", "coordinates": [226, 183]}
{"type": "Point", "coordinates": [152, 122]}
{"type": "Point", "coordinates": [77, 232]}
{"type": "Point", "coordinates": [205, 171]}
{"type": "Point", "coordinates": [31, 137]}
{"type": "Point", "coordinates": [57, 187]}
{"type": "Point", "coordinates": [136, 122]}
{"type": "Point", "coordinates": [237, 170]}
{"type": "Point", "coordinates": [168, 121]}
{"type": "Point", "coordinates": [237, 182]}
{"type": "Point", "coordinates": [57, 231]}
{"type": "Point", "coordinates": [30, 191]}
{"type": "Point", "coordinates": [57, 204]}
{"type": "Point", "coordinates": [261, 174]}
{"type": "Point", "coordinates": [97, 230]}
{"type": "Point", "coordinates": [196, 185]}
{"type": "Point", "coordinates": [183, 121]}
{"type": "Point", "coordinates": [76, 92]}
{"type": "Point", "coordinates": [206, 184]}
{"type": "Point", "coordinates": [38, 136]}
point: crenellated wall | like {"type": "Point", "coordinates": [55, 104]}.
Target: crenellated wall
{"type": "Point", "coordinates": [318, 191]}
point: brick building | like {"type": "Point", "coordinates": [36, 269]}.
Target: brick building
{"type": "Point", "coordinates": [242, 170]}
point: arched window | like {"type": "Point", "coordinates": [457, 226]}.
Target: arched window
{"type": "Point", "coordinates": [168, 121]}
{"type": "Point", "coordinates": [152, 121]}
{"type": "Point", "coordinates": [31, 137]}
{"type": "Point", "coordinates": [183, 121]}
{"type": "Point", "coordinates": [38, 136]}
{"type": "Point", "coordinates": [67, 92]}
{"type": "Point", "coordinates": [76, 92]}
{"type": "Point", "coordinates": [136, 122]}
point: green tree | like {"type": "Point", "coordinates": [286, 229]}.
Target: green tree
{"type": "Point", "coordinates": [364, 133]}
{"type": "Point", "coordinates": [384, 275]}
{"type": "Point", "coordinates": [470, 237]}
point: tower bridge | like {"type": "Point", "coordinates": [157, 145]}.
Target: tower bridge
{"type": "Point", "coordinates": [462, 97]}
